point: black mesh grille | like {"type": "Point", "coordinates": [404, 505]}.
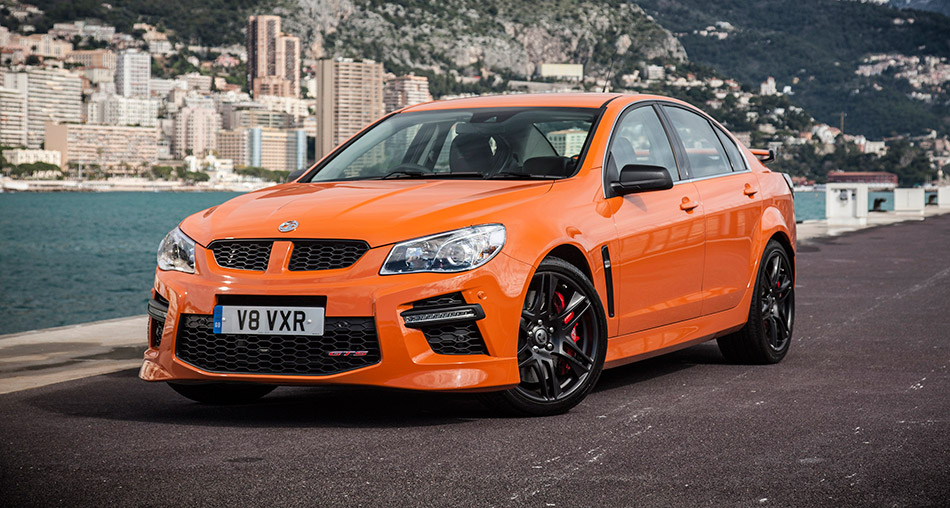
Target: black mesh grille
{"type": "Point", "coordinates": [155, 328]}
{"type": "Point", "coordinates": [306, 355]}
{"type": "Point", "coordinates": [451, 338]}
{"type": "Point", "coordinates": [242, 254]}
{"type": "Point", "coordinates": [325, 254]}
{"type": "Point", "coordinates": [455, 339]}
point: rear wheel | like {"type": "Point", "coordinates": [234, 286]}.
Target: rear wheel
{"type": "Point", "coordinates": [562, 342]}
{"type": "Point", "coordinates": [222, 393]}
{"type": "Point", "coordinates": [766, 336]}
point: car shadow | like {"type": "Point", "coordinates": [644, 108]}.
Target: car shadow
{"type": "Point", "coordinates": [122, 396]}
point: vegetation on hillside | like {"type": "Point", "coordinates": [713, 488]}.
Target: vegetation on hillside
{"type": "Point", "coordinates": [815, 46]}
{"type": "Point", "coordinates": [205, 22]}
{"type": "Point", "coordinates": [908, 162]}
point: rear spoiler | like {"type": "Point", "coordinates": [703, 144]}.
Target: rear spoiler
{"type": "Point", "coordinates": [763, 155]}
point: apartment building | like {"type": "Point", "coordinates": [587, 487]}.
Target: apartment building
{"type": "Point", "coordinates": [275, 149]}
{"type": "Point", "coordinates": [110, 109]}
{"type": "Point", "coordinates": [132, 73]}
{"type": "Point", "coordinates": [93, 58]}
{"type": "Point", "coordinates": [196, 131]}
{"type": "Point", "coordinates": [403, 91]}
{"type": "Point", "coordinates": [54, 95]}
{"type": "Point", "coordinates": [109, 146]}
{"type": "Point", "coordinates": [349, 97]}
{"type": "Point", "coordinates": [13, 117]}
{"type": "Point", "coordinates": [273, 58]}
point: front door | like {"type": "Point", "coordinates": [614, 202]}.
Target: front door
{"type": "Point", "coordinates": [660, 233]}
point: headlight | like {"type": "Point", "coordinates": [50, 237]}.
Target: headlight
{"type": "Point", "coordinates": [177, 252]}
{"type": "Point", "coordinates": [454, 251]}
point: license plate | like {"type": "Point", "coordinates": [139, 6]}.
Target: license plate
{"type": "Point", "coordinates": [237, 319]}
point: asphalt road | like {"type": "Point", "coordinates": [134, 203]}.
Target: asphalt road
{"type": "Point", "coordinates": [857, 415]}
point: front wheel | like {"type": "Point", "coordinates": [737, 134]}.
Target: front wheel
{"type": "Point", "coordinates": [222, 393]}
{"type": "Point", "coordinates": [562, 342]}
{"type": "Point", "coordinates": [767, 334]}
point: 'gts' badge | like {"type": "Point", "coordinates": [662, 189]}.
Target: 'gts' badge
{"type": "Point", "coordinates": [348, 353]}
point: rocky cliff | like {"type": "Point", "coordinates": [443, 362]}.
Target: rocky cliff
{"type": "Point", "coordinates": [510, 38]}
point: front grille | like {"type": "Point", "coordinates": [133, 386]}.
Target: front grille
{"type": "Point", "coordinates": [325, 254]}
{"type": "Point", "coordinates": [455, 339]}
{"type": "Point", "coordinates": [242, 254]}
{"type": "Point", "coordinates": [306, 355]}
{"type": "Point", "coordinates": [462, 338]}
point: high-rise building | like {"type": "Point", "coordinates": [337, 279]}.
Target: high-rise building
{"type": "Point", "coordinates": [109, 146]}
{"type": "Point", "coordinates": [132, 73]}
{"type": "Point", "coordinates": [196, 131]}
{"type": "Point", "coordinates": [273, 58]}
{"type": "Point", "coordinates": [349, 97]}
{"type": "Point", "coordinates": [54, 95]}
{"type": "Point", "coordinates": [405, 91]}
{"type": "Point", "coordinates": [13, 115]}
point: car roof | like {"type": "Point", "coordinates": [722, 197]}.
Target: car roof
{"type": "Point", "coordinates": [563, 100]}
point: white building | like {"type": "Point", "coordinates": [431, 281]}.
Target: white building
{"type": "Point", "coordinates": [196, 131]}
{"type": "Point", "coordinates": [768, 87]}
{"type": "Point", "coordinates": [32, 156]}
{"type": "Point", "coordinates": [132, 73]}
{"type": "Point", "coordinates": [54, 95]}
{"type": "Point", "coordinates": [109, 109]}
{"type": "Point", "coordinates": [570, 72]}
{"type": "Point", "coordinates": [13, 115]}
{"type": "Point", "coordinates": [654, 72]}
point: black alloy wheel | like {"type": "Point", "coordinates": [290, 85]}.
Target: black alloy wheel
{"type": "Point", "coordinates": [766, 337]}
{"type": "Point", "coordinates": [562, 342]}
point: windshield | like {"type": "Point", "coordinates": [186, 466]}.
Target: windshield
{"type": "Point", "coordinates": [466, 143]}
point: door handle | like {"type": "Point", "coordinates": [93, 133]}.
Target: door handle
{"type": "Point", "coordinates": [688, 204]}
{"type": "Point", "coordinates": [749, 190]}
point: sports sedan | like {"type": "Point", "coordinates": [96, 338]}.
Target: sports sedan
{"type": "Point", "coordinates": [513, 245]}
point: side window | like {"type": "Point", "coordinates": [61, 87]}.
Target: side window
{"type": "Point", "coordinates": [640, 139]}
{"type": "Point", "coordinates": [735, 156]}
{"type": "Point", "coordinates": [703, 150]}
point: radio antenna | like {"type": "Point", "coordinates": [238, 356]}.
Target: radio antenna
{"type": "Point", "coordinates": [610, 67]}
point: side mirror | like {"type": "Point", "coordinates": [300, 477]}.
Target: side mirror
{"type": "Point", "coordinates": [641, 178]}
{"type": "Point", "coordinates": [295, 174]}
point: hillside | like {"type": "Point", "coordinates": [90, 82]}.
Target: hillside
{"type": "Point", "coordinates": [815, 46]}
{"type": "Point", "coordinates": [472, 37]}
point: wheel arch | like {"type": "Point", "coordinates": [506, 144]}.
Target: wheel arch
{"type": "Point", "coordinates": [575, 256]}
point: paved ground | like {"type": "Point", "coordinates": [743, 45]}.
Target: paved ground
{"type": "Point", "coordinates": [857, 415]}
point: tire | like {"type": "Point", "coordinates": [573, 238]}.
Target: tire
{"type": "Point", "coordinates": [767, 334]}
{"type": "Point", "coordinates": [562, 343]}
{"type": "Point", "coordinates": [222, 393]}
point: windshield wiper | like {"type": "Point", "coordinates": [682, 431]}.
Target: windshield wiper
{"type": "Point", "coordinates": [525, 176]}
{"type": "Point", "coordinates": [403, 173]}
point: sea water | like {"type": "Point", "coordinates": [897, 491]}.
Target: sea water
{"type": "Point", "coordinates": [71, 257]}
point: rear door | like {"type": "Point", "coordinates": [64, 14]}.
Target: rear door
{"type": "Point", "coordinates": [661, 233]}
{"type": "Point", "coordinates": [730, 195]}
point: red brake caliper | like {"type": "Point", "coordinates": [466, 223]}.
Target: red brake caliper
{"type": "Point", "coordinates": [559, 305]}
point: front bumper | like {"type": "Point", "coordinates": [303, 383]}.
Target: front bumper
{"type": "Point", "coordinates": [406, 359]}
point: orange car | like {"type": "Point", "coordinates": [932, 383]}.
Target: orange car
{"type": "Point", "coordinates": [513, 245]}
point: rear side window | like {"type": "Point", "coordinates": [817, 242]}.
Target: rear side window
{"type": "Point", "coordinates": [735, 156]}
{"type": "Point", "coordinates": [640, 139]}
{"type": "Point", "coordinates": [704, 151]}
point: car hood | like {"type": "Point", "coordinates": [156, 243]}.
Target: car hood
{"type": "Point", "coordinates": [378, 212]}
